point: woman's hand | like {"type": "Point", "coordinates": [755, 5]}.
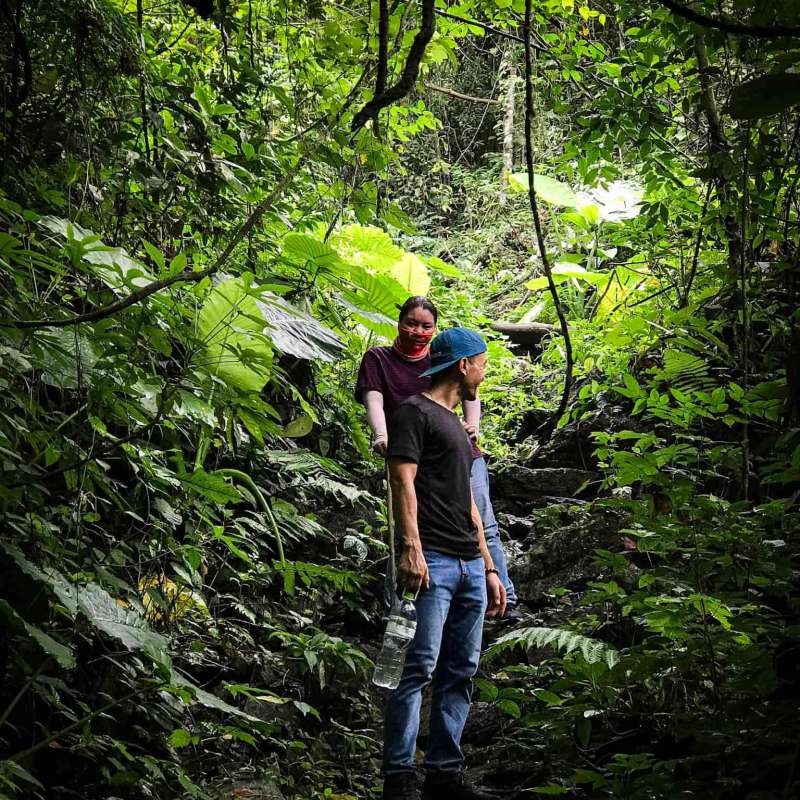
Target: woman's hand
{"type": "Point", "coordinates": [472, 432]}
{"type": "Point", "coordinates": [380, 445]}
{"type": "Point", "coordinates": [412, 569]}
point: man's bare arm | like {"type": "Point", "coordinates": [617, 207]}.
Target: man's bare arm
{"type": "Point", "coordinates": [495, 591]}
{"type": "Point", "coordinates": [412, 568]}
{"type": "Point", "coordinates": [488, 563]}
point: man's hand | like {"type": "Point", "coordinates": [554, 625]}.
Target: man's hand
{"type": "Point", "coordinates": [495, 596]}
{"type": "Point", "coordinates": [380, 446]}
{"type": "Point", "coordinates": [472, 432]}
{"type": "Point", "coordinates": [412, 570]}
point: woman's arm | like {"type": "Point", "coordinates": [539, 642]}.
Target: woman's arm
{"type": "Point", "coordinates": [376, 419]}
{"type": "Point", "coordinates": [472, 418]}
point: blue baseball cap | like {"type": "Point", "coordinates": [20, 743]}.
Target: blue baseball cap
{"type": "Point", "coordinates": [451, 345]}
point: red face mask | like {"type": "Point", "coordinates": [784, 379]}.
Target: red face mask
{"type": "Point", "coordinates": [412, 343]}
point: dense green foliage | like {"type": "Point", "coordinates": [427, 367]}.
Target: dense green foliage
{"type": "Point", "coordinates": [196, 249]}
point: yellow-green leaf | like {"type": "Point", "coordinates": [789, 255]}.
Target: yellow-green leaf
{"type": "Point", "coordinates": [411, 274]}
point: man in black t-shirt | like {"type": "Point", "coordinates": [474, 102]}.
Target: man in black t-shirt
{"type": "Point", "coordinates": [444, 557]}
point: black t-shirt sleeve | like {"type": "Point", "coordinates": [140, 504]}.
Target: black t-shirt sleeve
{"type": "Point", "coordinates": [370, 375]}
{"type": "Point", "coordinates": [407, 433]}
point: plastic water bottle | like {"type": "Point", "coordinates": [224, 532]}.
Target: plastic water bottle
{"type": "Point", "coordinates": [399, 634]}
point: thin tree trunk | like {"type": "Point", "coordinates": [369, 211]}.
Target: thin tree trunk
{"type": "Point", "coordinates": [547, 429]}
{"type": "Point", "coordinates": [509, 71]}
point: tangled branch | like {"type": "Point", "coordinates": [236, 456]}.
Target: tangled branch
{"type": "Point", "coordinates": [410, 71]}
{"type": "Point", "coordinates": [187, 276]}
{"type": "Point", "coordinates": [729, 26]}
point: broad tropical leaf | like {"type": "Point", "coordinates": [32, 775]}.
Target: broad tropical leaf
{"type": "Point", "coordinates": [113, 265]}
{"type": "Point", "coordinates": [123, 622]}
{"type": "Point", "coordinates": [297, 333]}
{"type": "Point", "coordinates": [549, 189]}
{"type": "Point", "coordinates": [213, 487]}
{"type": "Point", "coordinates": [232, 327]}
{"type": "Point", "coordinates": [367, 246]}
{"type": "Point", "coordinates": [411, 274]}
{"type": "Point", "coordinates": [312, 253]}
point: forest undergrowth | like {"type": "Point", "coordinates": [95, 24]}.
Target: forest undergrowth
{"type": "Point", "coordinates": [209, 210]}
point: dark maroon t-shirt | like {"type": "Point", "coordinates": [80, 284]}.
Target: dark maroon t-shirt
{"type": "Point", "coordinates": [383, 370]}
{"type": "Point", "coordinates": [396, 378]}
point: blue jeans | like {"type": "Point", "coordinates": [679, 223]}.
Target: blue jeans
{"type": "Point", "coordinates": [479, 481]}
{"type": "Point", "coordinates": [446, 649]}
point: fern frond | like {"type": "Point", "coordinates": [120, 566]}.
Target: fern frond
{"type": "Point", "coordinates": [562, 639]}
{"type": "Point", "coordinates": [685, 371]}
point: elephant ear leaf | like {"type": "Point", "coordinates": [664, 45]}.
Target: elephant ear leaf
{"type": "Point", "coordinates": [548, 189]}
{"type": "Point", "coordinates": [367, 246]}
{"type": "Point", "coordinates": [233, 330]}
{"type": "Point", "coordinates": [411, 273]}
{"type": "Point", "coordinates": [297, 333]}
{"type": "Point", "coordinates": [762, 97]}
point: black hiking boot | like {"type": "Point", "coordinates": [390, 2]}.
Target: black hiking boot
{"type": "Point", "coordinates": [400, 786]}
{"type": "Point", "coordinates": [451, 786]}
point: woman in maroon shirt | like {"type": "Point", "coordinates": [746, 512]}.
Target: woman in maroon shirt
{"type": "Point", "coordinates": [388, 375]}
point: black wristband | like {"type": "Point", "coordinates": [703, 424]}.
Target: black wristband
{"type": "Point", "coordinates": [492, 571]}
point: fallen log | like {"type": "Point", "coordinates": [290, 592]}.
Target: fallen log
{"type": "Point", "coordinates": [526, 334]}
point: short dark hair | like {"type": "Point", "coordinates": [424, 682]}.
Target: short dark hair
{"type": "Point", "coordinates": [442, 375]}
{"type": "Point", "coordinates": [418, 301]}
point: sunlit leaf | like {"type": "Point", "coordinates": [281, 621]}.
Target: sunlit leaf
{"type": "Point", "coordinates": [233, 331]}
{"type": "Point", "coordinates": [411, 274]}
{"type": "Point", "coordinates": [548, 189]}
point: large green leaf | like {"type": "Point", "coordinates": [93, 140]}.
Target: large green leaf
{"type": "Point", "coordinates": [549, 189]}
{"type": "Point", "coordinates": [411, 274]}
{"type": "Point", "coordinates": [213, 487]}
{"type": "Point", "coordinates": [113, 265]}
{"type": "Point", "coordinates": [124, 623]}
{"type": "Point", "coordinates": [375, 300]}
{"type": "Point", "coordinates": [233, 331]}
{"type": "Point", "coordinates": [566, 270]}
{"type": "Point", "coordinates": [297, 333]}
{"type": "Point", "coordinates": [438, 265]}
{"type": "Point", "coordinates": [312, 253]}
{"type": "Point", "coordinates": [367, 246]}
{"type": "Point", "coordinates": [762, 97]}
{"type": "Point", "coordinates": [65, 355]}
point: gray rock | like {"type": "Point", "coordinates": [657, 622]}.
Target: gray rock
{"type": "Point", "coordinates": [526, 483]}
{"type": "Point", "coordinates": [517, 528]}
{"type": "Point", "coordinates": [561, 549]}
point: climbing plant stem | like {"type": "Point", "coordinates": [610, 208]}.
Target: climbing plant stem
{"type": "Point", "coordinates": [537, 222]}
{"type": "Point", "coordinates": [262, 503]}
